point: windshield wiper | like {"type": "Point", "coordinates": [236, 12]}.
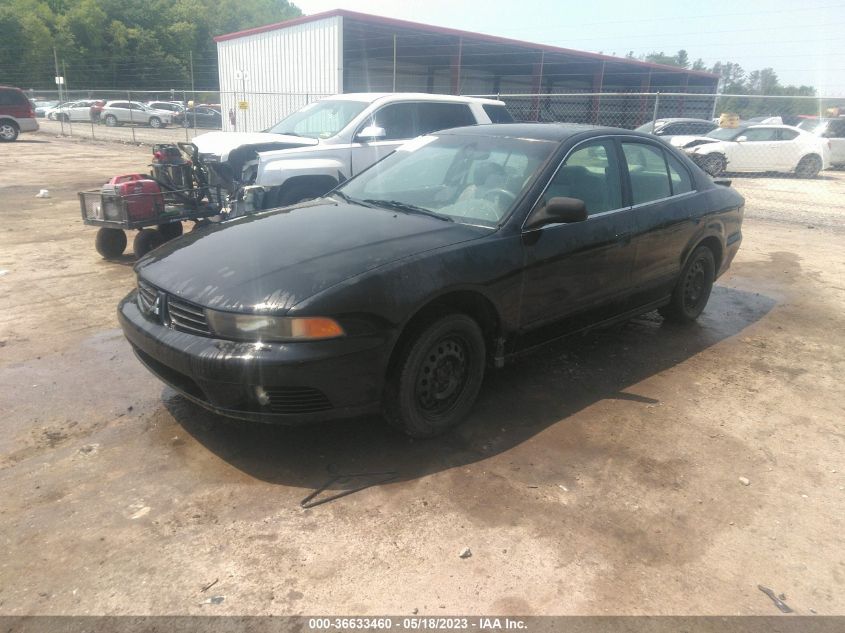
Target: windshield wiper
{"type": "Point", "coordinates": [410, 208]}
{"type": "Point", "coordinates": [350, 199]}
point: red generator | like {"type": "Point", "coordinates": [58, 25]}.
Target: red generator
{"type": "Point", "coordinates": [136, 193]}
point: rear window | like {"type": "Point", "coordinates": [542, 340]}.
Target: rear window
{"type": "Point", "coordinates": [498, 114]}
{"type": "Point", "coordinates": [442, 116]}
{"type": "Point", "coordinates": [12, 97]}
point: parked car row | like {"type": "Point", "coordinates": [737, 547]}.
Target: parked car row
{"type": "Point", "coordinates": [762, 144]}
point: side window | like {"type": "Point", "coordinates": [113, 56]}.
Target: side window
{"type": "Point", "coordinates": [702, 128]}
{"type": "Point", "coordinates": [12, 97]}
{"type": "Point", "coordinates": [591, 174]}
{"type": "Point", "coordinates": [120, 105]}
{"type": "Point", "coordinates": [836, 130]}
{"type": "Point", "coordinates": [397, 119]}
{"type": "Point", "coordinates": [788, 135]}
{"type": "Point", "coordinates": [678, 174]}
{"type": "Point", "coordinates": [135, 106]}
{"type": "Point", "coordinates": [497, 113]}
{"type": "Point", "coordinates": [442, 116]}
{"type": "Point", "coordinates": [758, 134]}
{"type": "Point", "coordinates": [647, 169]}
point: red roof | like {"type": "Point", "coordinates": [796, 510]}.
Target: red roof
{"type": "Point", "coordinates": [377, 19]}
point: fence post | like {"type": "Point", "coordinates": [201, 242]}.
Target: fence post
{"type": "Point", "coordinates": [131, 116]}
{"type": "Point", "coordinates": [185, 123]}
{"type": "Point", "coordinates": [656, 109]}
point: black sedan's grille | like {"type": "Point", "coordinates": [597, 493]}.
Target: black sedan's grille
{"type": "Point", "coordinates": [187, 317]}
{"type": "Point", "coordinates": [297, 400]}
{"type": "Point", "coordinates": [147, 296]}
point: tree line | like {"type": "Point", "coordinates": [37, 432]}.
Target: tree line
{"type": "Point", "coordinates": [120, 44]}
{"type": "Point", "coordinates": [734, 80]}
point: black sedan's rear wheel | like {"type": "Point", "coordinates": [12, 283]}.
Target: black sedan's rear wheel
{"type": "Point", "coordinates": [692, 291]}
{"type": "Point", "coordinates": [437, 378]}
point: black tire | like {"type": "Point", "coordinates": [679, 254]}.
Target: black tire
{"type": "Point", "coordinates": [809, 166]}
{"type": "Point", "coordinates": [9, 131]}
{"type": "Point", "coordinates": [171, 230]}
{"type": "Point", "coordinates": [146, 240]}
{"type": "Point", "coordinates": [110, 243]}
{"type": "Point", "coordinates": [692, 291]}
{"type": "Point", "coordinates": [155, 122]}
{"type": "Point", "coordinates": [437, 377]}
{"type": "Point", "coordinates": [714, 164]}
{"type": "Point", "coordinates": [110, 120]}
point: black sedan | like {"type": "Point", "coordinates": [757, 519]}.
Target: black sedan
{"type": "Point", "coordinates": [394, 292]}
{"type": "Point", "coordinates": [200, 116]}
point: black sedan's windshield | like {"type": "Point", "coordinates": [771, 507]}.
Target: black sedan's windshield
{"type": "Point", "coordinates": [321, 119]}
{"type": "Point", "coordinates": [470, 179]}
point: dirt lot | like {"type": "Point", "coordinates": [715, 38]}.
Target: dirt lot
{"type": "Point", "coordinates": [598, 476]}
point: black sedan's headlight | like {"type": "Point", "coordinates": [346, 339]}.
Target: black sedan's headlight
{"type": "Point", "coordinates": [260, 327]}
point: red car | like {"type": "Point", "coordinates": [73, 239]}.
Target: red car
{"type": "Point", "coordinates": [16, 114]}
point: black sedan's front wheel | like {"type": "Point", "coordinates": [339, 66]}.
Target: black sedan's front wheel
{"type": "Point", "coordinates": [437, 378]}
{"type": "Point", "coordinates": [692, 291]}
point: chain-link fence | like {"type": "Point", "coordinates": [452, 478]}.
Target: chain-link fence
{"type": "Point", "coordinates": [800, 137]}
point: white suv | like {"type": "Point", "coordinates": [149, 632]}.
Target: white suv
{"type": "Point", "coordinates": [319, 146]}
{"type": "Point", "coordinates": [119, 112]}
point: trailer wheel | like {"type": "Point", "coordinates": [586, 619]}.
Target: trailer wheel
{"type": "Point", "coordinates": [171, 230]}
{"type": "Point", "coordinates": [146, 240]}
{"type": "Point", "coordinates": [110, 243]}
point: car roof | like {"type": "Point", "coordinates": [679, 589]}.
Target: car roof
{"type": "Point", "coordinates": [372, 97]}
{"type": "Point", "coordinates": [541, 131]}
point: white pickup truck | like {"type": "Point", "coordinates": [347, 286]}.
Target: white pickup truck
{"type": "Point", "coordinates": [326, 142]}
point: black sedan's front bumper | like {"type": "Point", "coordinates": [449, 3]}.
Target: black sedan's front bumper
{"type": "Point", "coordinates": [286, 383]}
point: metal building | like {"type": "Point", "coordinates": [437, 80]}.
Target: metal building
{"type": "Point", "coordinates": [271, 70]}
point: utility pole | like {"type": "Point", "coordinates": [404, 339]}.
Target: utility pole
{"type": "Point", "coordinates": [56, 62]}
{"type": "Point", "coordinates": [64, 76]}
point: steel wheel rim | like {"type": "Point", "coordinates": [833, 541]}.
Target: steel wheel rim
{"type": "Point", "coordinates": [694, 284]}
{"type": "Point", "coordinates": [443, 375]}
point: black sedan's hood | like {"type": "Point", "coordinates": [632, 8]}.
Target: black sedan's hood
{"type": "Point", "coordinates": [272, 261]}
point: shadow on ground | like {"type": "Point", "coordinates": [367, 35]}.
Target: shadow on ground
{"type": "Point", "coordinates": [535, 392]}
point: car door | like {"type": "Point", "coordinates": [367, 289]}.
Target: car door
{"type": "Point", "coordinates": [81, 111]}
{"type": "Point", "coordinates": [572, 268]}
{"type": "Point", "coordinates": [399, 121]}
{"type": "Point", "coordinates": [835, 135]}
{"type": "Point", "coordinates": [136, 113]}
{"type": "Point", "coordinates": [791, 146]}
{"type": "Point", "coordinates": [758, 149]}
{"type": "Point", "coordinates": [662, 222]}
{"type": "Point", "coordinates": [119, 110]}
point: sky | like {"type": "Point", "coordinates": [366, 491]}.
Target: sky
{"type": "Point", "coordinates": [804, 42]}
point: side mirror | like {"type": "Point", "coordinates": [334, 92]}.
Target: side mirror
{"type": "Point", "coordinates": [371, 133]}
{"type": "Point", "coordinates": [558, 211]}
{"type": "Point", "coordinates": [741, 139]}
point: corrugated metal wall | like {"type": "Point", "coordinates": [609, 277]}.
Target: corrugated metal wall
{"type": "Point", "coordinates": [286, 69]}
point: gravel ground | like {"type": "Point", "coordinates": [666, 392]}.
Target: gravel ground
{"type": "Point", "coordinates": [641, 469]}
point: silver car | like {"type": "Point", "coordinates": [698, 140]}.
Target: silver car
{"type": "Point", "coordinates": [120, 112]}
{"type": "Point", "coordinates": [71, 111]}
